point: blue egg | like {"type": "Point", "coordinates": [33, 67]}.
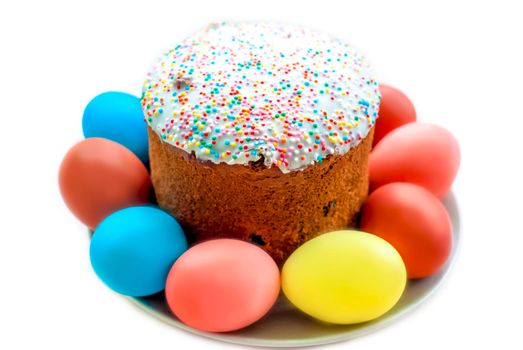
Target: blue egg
{"type": "Point", "coordinates": [118, 116]}
{"type": "Point", "coordinates": [133, 249]}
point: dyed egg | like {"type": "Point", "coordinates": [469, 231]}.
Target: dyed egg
{"type": "Point", "coordinates": [395, 110]}
{"type": "Point", "coordinates": [414, 221]}
{"type": "Point", "coordinates": [133, 249]}
{"type": "Point", "coordinates": [98, 177]}
{"type": "Point", "coordinates": [118, 116]}
{"type": "Point", "coordinates": [422, 154]}
{"type": "Point", "coordinates": [344, 277]}
{"type": "Point", "coordinates": [222, 285]}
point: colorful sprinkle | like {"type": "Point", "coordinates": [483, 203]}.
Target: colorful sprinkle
{"type": "Point", "coordinates": [236, 91]}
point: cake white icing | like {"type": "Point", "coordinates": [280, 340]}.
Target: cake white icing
{"type": "Point", "coordinates": [235, 92]}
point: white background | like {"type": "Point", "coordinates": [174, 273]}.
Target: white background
{"type": "Point", "coordinates": [460, 63]}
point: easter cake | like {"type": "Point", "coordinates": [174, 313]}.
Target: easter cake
{"type": "Point", "coordinates": [261, 132]}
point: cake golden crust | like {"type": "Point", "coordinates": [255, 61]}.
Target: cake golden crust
{"type": "Point", "coordinates": [262, 205]}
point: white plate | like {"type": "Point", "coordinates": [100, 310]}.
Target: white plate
{"type": "Point", "coordinates": [285, 326]}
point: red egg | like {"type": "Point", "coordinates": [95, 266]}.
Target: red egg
{"type": "Point", "coordinates": [98, 177]}
{"type": "Point", "coordinates": [395, 111]}
{"type": "Point", "coordinates": [422, 154]}
{"type": "Point", "coordinates": [414, 222]}
{"type": "Point", "coordinates": [222, 285]}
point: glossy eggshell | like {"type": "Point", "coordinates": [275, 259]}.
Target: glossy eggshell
{"type": "Point", "coordinates": [118, 116]}
{"type": "Point", "coordinates": [423, 154]}
{"type": "Point", "coordinates": [414, 221]}
{"type": "Point", "coordinates": [133, 249]}
{"type": "Point", "coordinates": [395, 110]}
{"type": "Point", "coordinates": [98, 177]}
{"type": "Point", "coordinates": [222, 285]}
{"type": "Point", "coordinates": [344, 277]}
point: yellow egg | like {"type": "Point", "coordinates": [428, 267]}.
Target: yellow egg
{"type": "Point", "coordinates": [344, 277]}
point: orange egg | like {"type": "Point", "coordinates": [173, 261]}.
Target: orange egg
{"type": "Point", "coordinates": [414, 222]}
{"type": "Point", "coordinates": [222, 285]}
{"type": "Point", "coordinates": [422, 154]}
{"type": "Point", "coordinates": [98, 177]}
{"type": "Point", "coordinates": [395, 111]}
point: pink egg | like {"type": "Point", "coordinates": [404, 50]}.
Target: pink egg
{"type": "Point", "coordinates": [414, 221]}
{"type": "Point", "coordinates": [222, 285]}
{"type": "Point", "coordinates": [395, 110]}
{"type": "Point", "coordinates": [98, 177]}
{"type": "Point", "coordinates": [423, 154]}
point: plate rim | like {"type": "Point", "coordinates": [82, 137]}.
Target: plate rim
{"type": "Point", "coordinates": [451, 204]}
